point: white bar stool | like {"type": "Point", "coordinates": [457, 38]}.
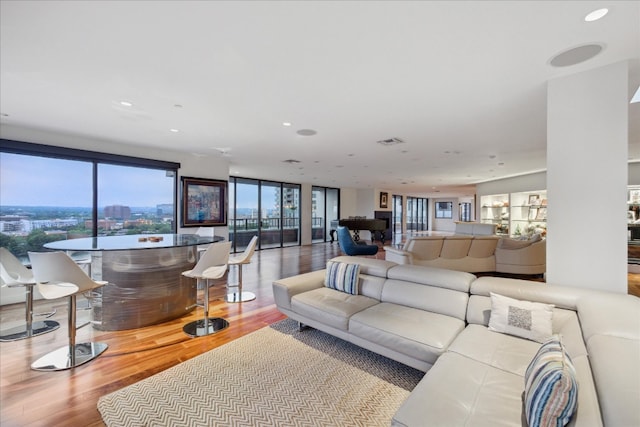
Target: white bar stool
{"type": "Point", "coordinates": [240, 260]}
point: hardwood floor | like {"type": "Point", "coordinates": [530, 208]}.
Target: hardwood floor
{"type": "Point", "coordinates": [69, 398]}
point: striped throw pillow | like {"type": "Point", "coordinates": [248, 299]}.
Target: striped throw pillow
{"type": "Point", "coordinates": [551, 389]}
{"type": "Point", "coordinates": [342, 276]}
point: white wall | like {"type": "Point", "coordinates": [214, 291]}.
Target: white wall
{"type": "Point", "coordinates": [587, 175]}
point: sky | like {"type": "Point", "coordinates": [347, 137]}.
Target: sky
{"type": "Point", "coordinates": [40, 181]}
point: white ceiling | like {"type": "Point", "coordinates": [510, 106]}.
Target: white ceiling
{"type": "Point", "coordinates": [463, 83]}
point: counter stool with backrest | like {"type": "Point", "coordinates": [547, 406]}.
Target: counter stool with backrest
{"type": "Point", "coordinates": [59, 276]}
{"type": "Point", "coordinates": [239, 260]}
{"type": "Point", "coordinates": [211, 265]}
{"type": "Point", "coordinates": [14, 274]}
{"type": "Point", "coordinates": [204, 232]}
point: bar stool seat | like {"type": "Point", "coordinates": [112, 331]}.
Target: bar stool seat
{"type": "Point", "coordinates": [239, 261]}
{"type": "Point", "coordinates": [211, 265]}
{"type": "Point", "coordinates": [59, 276]}
{"type": "Point", "coordinates": [14, 274]}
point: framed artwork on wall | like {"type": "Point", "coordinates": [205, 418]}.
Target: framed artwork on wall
{"type": "Point", "coordinates": [384, 202]}
{"type": "Point", "coordinates": [204, 202]}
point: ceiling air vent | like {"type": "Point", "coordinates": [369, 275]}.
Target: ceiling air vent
{"type": "Point", "coordinates": [291, 161]}
{"type": "Point", "coordinates": [390, 141]}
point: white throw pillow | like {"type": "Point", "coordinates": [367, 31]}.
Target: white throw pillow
{"type": "Point", "coordinates": [525, 319]}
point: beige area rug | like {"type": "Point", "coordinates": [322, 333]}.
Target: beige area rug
{"type": "Point", "coordinates": [276, 376]}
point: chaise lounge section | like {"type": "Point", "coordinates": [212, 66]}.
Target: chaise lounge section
{"type": "Point", "coordinates": [442, 322]}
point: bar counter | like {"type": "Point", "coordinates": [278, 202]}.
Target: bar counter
{"type": "Point", "coordinates": [146, 286]}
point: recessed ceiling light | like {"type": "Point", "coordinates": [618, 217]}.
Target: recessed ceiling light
{"type": "Point", "coordinates": [286, 124]}
{"type": "Point", "coordinates": [576, 55]}
{"type": "Point", "coordinates": [126, 104]}
{"type": "Point", "coordinates": [596, 14]}
{"type": "Point", "coordinates": [174, 130]}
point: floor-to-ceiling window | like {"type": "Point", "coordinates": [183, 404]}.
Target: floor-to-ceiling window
{"type": "Point", "coordinates": [53, 193]}
{"type": "Point", "coordinates": [397, 214]}
{"type": "Point", "coordinates": [325, 207]}
{"type": "Point", "coordinates": [264, 208]}
{"type": "Point", "coordinates": [417, 214]}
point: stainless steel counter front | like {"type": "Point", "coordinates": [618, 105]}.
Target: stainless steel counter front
{"type": "Point", "coordinates": [146, 286]}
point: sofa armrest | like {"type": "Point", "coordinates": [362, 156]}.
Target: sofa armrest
{"type": "Point", "coordinates": [285, 289]}
{"type": "Point", "coordinates": [397, 255]}
{"type": "Point", "coordinates": [534, 256]}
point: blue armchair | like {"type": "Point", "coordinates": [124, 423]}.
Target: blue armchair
{"type": "Point", "coordinates": [350, 247]}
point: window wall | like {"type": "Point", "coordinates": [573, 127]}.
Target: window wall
{"type": "Point", "coordinates": [325, 207]}
{"type": "Point", "coordinates": [397, 215]}
{"type": "Point", "coordinates": [267, 209]}
{"type": "Point", "coordinates": [53, 193]}
{"type": "Point", "coordinates": [417, 214]}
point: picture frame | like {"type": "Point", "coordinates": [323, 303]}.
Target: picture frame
{"type": "Point", "coordinates": [542, 214]}
{"type": "Point", "coordinates": [384, 200]}
{"type": "Point", "coordinates": [534, 199]}
{"type": "Point", "coordinates": [204, 202]}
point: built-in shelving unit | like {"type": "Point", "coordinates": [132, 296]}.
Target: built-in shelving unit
{"type": "Point", "coordinates": [516, 214]}
{"type": "Point", "coordinates": [494, 209]}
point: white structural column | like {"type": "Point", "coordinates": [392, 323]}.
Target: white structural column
{"type": "Point", "coordinates": [587, 151]}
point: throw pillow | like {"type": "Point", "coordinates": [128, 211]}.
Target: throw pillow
{"type": "Point", "coordinates": [551, 389]}
{"type": "Point", "coordinates": [342, 276]}
{"type": "Point", "coordinates": [524, 319]}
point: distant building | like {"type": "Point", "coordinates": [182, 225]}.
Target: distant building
{"type": "Point", "coordinates": [117, 212]}
{"type": "Point", "coordinates": [164, 210]}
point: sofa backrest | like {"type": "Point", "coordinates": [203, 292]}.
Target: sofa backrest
{"type": "Point", "coordinates": [475, 228]}
{"type": "Point", "coordinates": [427, 288]}
{"type": "Point", "coordinates": [373, 274]}
{"type": "Point", "coordinates": [428, 248]}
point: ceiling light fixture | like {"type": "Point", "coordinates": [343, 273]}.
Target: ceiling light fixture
{"type": "Point", "coordinates": [126, 104]}
{"type": "Point", "coordinates": [287, 124]}
{"type": "Point", "coordinates": [596, 14]}
{"type": "Point", "coordinates": [390, 141]}
{"type": "Point", "coordinates": [174, 130]}
{"type": "Point", "coordinates": [576, 55]}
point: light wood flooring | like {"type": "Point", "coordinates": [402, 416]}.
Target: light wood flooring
{"type": "Point", "coordinates": [69, 398]}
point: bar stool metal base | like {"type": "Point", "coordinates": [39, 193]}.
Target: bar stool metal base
{"type": "Point", "coordinates": [60, 359]}
{"type": "Point", "coordinates": [203, 327]}
{"type": "Point", "coordinates": [241, 296]}
{"type": "Point", "coordinates": [21, 332]}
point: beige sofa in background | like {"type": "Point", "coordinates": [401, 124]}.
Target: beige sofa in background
{"type": "Point", "coordinates": [473, 254]}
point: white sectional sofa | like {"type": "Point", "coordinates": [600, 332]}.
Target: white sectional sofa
{"type": "Point", "coordinates": [437, 320]}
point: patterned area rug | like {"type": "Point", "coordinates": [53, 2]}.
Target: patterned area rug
{"type": "Point", "coordinates": [275, 376]}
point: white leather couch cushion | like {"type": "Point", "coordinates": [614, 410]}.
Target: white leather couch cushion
{"type": "Point", "coordinates": [505, 352]}
{"type": "Point", "coordinates": [459, 391]}
{"type": "Point", "coordinates": [614, 363]}
{"type": "Point", "coordinates": [624, 324]}
{"type": "Point", "coordinates": [370, 266]}
{"type": "Point", "coordinates": [428, 298]}
{"type": "Point", "coordinates": [330, 306]}
{"type": "Point", "coordinates": [564, 322]}
{"type": "Point", "coordinates": [441, 278]}
{"type": "Point", "coordinates": [420, 334]}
